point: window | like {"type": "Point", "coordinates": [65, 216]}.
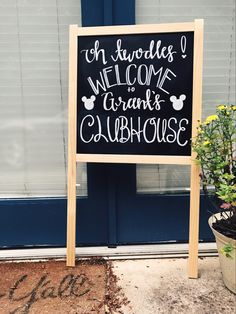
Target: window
{"type": "Point", "coordinates": [33, 97]}
{"type": "Point", "coordinates": [218, 71]}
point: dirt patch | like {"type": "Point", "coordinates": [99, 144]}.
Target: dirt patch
{"type": "Point", "coordinates": [115, 297]}
{"type": "Point", "coordinates": [204, 295]}
{"type": "Point", "coordinates": [161, 286]}
{"type": "Point", "coordinates": [175, 298]}
{"type": "Point", "coordinates": [51, 287]}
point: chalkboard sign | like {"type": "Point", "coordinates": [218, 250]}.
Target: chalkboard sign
{"type": "Point", "coordinates": [134, 94]}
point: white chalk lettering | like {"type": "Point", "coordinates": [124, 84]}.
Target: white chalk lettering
{"type": "Point", "coordinates": [155, 51]}
{"type": "Point", "coordinates": [151, 102]}
{"type": "Point", "coordinates": [122, 129]}
{"type": "Point", "coordinates": [165, 76]}
{"type": "Point", "coordinates": [182, 129]}
{"type": "Point", "coordinates": [94, 53]}
{"type": "Point", "coordinates": [142, 75]}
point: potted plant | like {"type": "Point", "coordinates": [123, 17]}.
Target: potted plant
{"type": "Point", "coordinates": [215, 145]}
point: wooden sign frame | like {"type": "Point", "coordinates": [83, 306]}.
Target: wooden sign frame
{"type": "Point", "coordinates": [73, 157]}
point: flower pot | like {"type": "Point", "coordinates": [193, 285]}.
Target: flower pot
{"type": "Point", "coordinates": [227, 264]}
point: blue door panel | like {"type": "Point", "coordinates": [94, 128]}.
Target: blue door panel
{"type": "Point", "coordinates": [107, 12]}
{"type": "Point", "coordinates": [142, 219]}
{"type": "Point", "coordinates": [165, 217]}
{"type": "Point", "coordinates": [32, 222]}
{"type": "Point", "coordinates": [158, 219]}
{"type": "Point", "coordinates": [38, 223]}
{"type": "Point", "coordinates": [112, 214]}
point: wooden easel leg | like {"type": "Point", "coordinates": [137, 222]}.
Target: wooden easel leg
{"type": "Point", "coordinates": [195, 169]}
{"type": "Point", "coordinates": [71, 214]}
{"type": "Point", "coordinates": [194, 221]}
{"type": "Point", "coordinates": [72, 131]}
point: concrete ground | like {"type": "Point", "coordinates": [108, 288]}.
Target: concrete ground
{"type": "Point", "coordinates": [162, 286]}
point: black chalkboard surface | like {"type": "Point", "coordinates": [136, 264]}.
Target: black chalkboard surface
{"type": "Point", "coordinates": [134, 94]}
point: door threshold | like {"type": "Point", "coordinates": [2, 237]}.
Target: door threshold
{"type": "Point", "coordinates": [120, 252]}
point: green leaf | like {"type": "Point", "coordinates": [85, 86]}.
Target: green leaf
{"type": "Point", "coordinates": [227, 250]}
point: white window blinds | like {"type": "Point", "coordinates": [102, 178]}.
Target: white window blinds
{"type": "Point", "coordinates": [218, 70]}
{"type": "Point", "coordinates": [34, 80]}
{"type": "Point", "coordinates": [33, 96]}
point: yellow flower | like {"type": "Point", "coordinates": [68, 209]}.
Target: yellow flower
{"type": "Point", "coordinates": [221, 107]}
{"type": "Point", "coordinates": [211, 118]}
{"type": "Point", "coordinates": [233, 108]}
{"type": "Point", "coordinates": [206, 143]}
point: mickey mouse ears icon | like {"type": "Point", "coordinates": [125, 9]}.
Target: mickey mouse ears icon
{"type": "Point", "coordinates": [88, 102]}
{"type": "Point", "coordinates": [178, 103]}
